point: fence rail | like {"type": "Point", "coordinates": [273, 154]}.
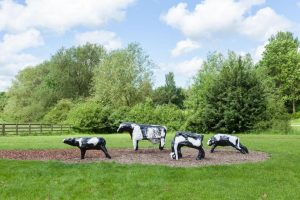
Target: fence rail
{"type": "Point", "coordinates": [16, 129]}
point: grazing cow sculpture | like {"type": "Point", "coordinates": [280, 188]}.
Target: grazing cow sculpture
{"type": "Point", "coordinates": [192, 140]}
{"type": "Point", "coordinates": [226, 140]}
{"type": "Point", "coordinates": [87, 143]}
{"type": "Point", "coordinates": [153, 133]}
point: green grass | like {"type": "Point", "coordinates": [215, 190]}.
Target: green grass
{"type": "Point", "coordinates": [276, 178]}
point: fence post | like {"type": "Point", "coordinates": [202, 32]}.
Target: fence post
{"type": "Point", "coordinates": [51, 128]}
{"type": "Point", "coordinates": [17, 128]}
{"type": "Point", "coordinates": [61, 129]}
{"type": "Point", "coordinates": [41, 128]}
{"type": "Point", "coordinates": [29, 129]}
{"type": "Point", "coordinates": [3, 129]}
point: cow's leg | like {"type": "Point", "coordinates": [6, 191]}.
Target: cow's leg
{"type": "Point", "coordinates": [213, 148]}
{"type": "Point", "coordinates": [179, 154]}
{"type": "Point", "coordinates": [244, 148]}
{"type": "Point", "coordinates": [135, 145]}
{"type": "Point", "coordinates": [103, 148]}
{"type": "Point", "coordinates": [237, 147]}
{"type": "Point", "coordinates": [162, 143]}
{"type": "Point", "coordinates": [176, 151]}
{"type": "Point", "coordinates": [201, 153]}
{"type": "Point", "coordinates": [82, 152]}
{"type": "Point", "coordinates": [179, 151]}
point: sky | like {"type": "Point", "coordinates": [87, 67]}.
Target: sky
{"type": "Point", "coordinates": [177, 35]}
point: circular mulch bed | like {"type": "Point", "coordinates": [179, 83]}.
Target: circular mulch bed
{"type": "Point", "coordinates": [142, 156]}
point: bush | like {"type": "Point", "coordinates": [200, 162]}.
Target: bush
{"type": "Point", "coordinates": [90, 116]}
{"type": "Point", "coordinates": [59, 112]}
{"type": "Point", "coordinates": [167, 115]}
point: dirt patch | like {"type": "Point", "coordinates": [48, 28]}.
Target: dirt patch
{"type": "Point", "coordinates": [142, 156]}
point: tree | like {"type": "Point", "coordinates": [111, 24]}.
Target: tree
{"type": "Point", "coordinates": [281, 63]}
{"type": "Point", "coordinates": [72, 70]}
{"type": "Point", "coordinates": [169, 93]}
{"type": "Point", "coordinates": [231, 97]}
{"type": "Point", "coordinates": [123, 78]}
{"type": "Point", "coordinates": [3, 101]}
{"type": "Point", "coordinates": [27, 98]}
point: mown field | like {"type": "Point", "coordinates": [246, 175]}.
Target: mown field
{"type": "Point", "coordinates": [276, 178]}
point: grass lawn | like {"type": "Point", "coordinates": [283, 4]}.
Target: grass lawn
{"type": "Point", "coordinates": [276, 178]}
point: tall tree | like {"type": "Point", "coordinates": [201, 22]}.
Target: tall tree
{"type": "Point", "coordinates": [124, 77]}
{"type": "Point", "coordinates": [231, 97]}
{"type": "Point", "coordinates": [72, 70]}
{"type": "Point", "coordinates": [281, 62]}
{"type": "Point", "coordinates": [169, 93]}
{"type": "Point", "coordinates": [27, 96]}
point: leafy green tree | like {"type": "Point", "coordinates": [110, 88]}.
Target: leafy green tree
{"type": "Point", "coordinates": [72, 70]}
{"type": "Point", "coordinates": [202, 81]}
{"type": "Point", "coordinates": [169, 93]}
{"type": "Point", "coordinates": [231, 97]}
{"type": "Point", "coordinates": [68, 74]}
{"type": "Point", "coordinates": [281, 63]}
{"type": "Point", "coordinates": [26, 98]}
{"type": "Point", "coordinates": [3, 101]}
{"type": "Point", "coordinates": [124, 77]}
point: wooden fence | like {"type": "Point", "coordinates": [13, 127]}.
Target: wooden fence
{"type": "Point", "coordinates": [17, 129]}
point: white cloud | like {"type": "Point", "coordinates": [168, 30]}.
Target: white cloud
{"type": "Point", "coordinates": [264, 23]}
{"type": "Point", "coordinates": [59, 15]}
{"type": "Point", "coordinates": [226, 16]}
{"type": "Point", "coordinates": [189, 68]}
{"type": "Point", "coordinates": [12, 59]}
{"type": "Point", "coordinates": [106, 38]}
{"type": "Point", "coordinates": [184, 46]}
{"type": "Point", "coordinates": [183, 71]}
{"type": "Point", "coordinates": [13, 43]}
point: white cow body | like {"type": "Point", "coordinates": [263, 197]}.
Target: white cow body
{"type": "Point", "coordinates": [154, 133]}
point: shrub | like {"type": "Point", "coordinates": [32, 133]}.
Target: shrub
{"type": "Point", "coordinates": [90, 116]}
{"type": "Point", "coordinates": [59, 112]}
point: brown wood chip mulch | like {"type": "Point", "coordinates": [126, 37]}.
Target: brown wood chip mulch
{"type": "Point", "coordinates": [221, 156]}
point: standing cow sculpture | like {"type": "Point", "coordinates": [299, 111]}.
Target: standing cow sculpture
{"type": "Point", "coordinates": [86, 143]}
{"type": "Point", "coordinates": [153, 133]}
{"type": "Point", "coordinates": [226, 140]}
{"type": "Point", "coordinates": [192, 140]}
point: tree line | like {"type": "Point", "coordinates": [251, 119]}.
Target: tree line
{"type": "Point", "coordinates": [95, 90]}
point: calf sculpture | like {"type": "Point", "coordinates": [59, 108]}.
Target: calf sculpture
{"type": "Point", "coordinates": [226, 140]}
{"type": "Point", "coordinates": [86, 143]}
{"type": "Point", "coordinates": [153, 133]}
{"type": "Point", "coordinates": [192, 140]}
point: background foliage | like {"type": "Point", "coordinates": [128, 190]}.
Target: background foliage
{"type": "Point", "coordinates": [95, 90]}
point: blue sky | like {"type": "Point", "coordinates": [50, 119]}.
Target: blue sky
{"type": "Point", "coordinates": [177, 35]}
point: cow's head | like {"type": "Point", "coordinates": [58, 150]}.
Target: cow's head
{"type": "Point", "coordinates": [211, 141]}
{"type": "Point", "coordinates": [126, 126]}
{"type": "Point", "coordinates": [70, 141]}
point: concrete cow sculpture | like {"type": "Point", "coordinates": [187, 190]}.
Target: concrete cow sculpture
{"type": "Point", "coordinates": [226, 140]}
{"type": "Point", "coordinates": [153, 133]}
{"type": "Point", "coordinates": [192, 140]}
{"type": "Point", "coordinates": [87, 143]}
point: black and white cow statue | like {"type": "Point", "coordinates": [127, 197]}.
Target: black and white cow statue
{"type": "Point", "coordinates": [87, 143]}
{"type": "Point", "coordinates": [226, 140]}
{"type": "Point", "coordinates": [192, 140]}
{"type": "Point", "coordinates": [153, 133]}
